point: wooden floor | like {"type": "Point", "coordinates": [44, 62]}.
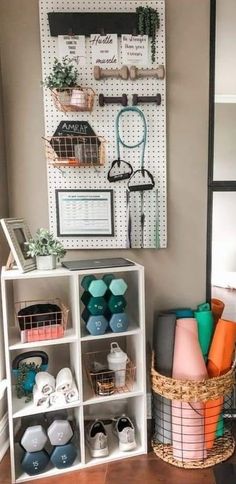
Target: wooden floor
{"type": "Point", "coordinates": [146, 469]}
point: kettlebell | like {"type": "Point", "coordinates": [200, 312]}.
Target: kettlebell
{"type": "Point", "coordinates": [30, 377]}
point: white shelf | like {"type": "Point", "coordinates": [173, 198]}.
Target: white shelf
{"type": "Point", "coordinates": [15, 344]}
{"type": "Point", "coordinates": [22, 409]}
{"type": "Point", "coordinates": [112, 398]}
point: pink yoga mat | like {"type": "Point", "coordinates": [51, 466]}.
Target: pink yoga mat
{"type": "Point", "coordinates": [188, 419]}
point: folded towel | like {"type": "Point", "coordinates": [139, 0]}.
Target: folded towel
{"type": "Point", "coordinates": [57, 398]}
{"type": "Point", "coordinates": [40, 399]}
{"type": "Point", "coordinates": [45, 382]}
{"type": "Point", "coordinates": [72, 395]}
{"type": "Point", "coordinates": [64, 380]}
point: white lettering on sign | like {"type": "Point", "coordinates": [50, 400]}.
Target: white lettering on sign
{"type": "Point", "coordinates": [104, 49]}
{"type": "Point", "coordinates": [135, 50]}
{"type": "Point", "coordinates": [72, 47]}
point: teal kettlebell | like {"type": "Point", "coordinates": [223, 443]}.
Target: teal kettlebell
{"type": "Point", "coordinates": [30, 372]}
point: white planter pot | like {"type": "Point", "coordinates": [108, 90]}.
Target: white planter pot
{"type": "Point", "coordinates": [64, 96]}
{"type": "Point", "coordinates": [79, 98]}
{"type": "Point", "coordinates": [46, 262]}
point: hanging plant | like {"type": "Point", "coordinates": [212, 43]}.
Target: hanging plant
{"type": "Point", "coordinates": [148, 24]}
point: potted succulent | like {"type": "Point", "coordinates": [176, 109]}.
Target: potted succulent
{"type": "Point", "coordinates": [63, 83]}
{"type": "Point", "coordinates": [46, 248]}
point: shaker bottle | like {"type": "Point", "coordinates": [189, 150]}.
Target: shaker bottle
{"type": "Point", "coordinates": [117, 360]}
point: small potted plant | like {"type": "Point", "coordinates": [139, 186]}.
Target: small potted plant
{"type": "Point", "coordinates": [46, 248]}
{"type": "Point", "coordinates": [63, 83]}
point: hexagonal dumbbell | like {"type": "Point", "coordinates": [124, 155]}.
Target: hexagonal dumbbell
{"type": "Point", "coordinates": [95, 305]}
{"type": "Point", "coordinates": [118, 322]}
{"type": "Point", "coordinates": [34, 463]}
{"type": "Point", "coordinates": [116, 304]}
{"type": "Point", "coordinates": [34, 438]}
{"type": "Point", "coordinates": [96, 287]}
{"type": "Point", "coordinates": [117, 286]}
{"type": "Point", "coordinates": [63, 455]}
{"type": "Point", "coordinates": [95, 325]}
{"type": "Point", "coordinates": [60, 432]}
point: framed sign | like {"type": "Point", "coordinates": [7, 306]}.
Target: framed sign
{"type": "Point", "coordinates": [73, 47]}
{"type": "Point", "coordinates": [84, 213]}
{"type": "Point", "coordinates": [104, 49]}
{"type": "Point", "coordinates": [17, 233]}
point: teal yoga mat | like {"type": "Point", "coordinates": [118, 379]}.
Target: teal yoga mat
{"type": "Point", "coordinates": [182, 313]}
{"type": "Point", "coordinates": [205, 324]}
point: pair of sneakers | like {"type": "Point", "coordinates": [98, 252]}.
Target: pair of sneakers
{"type": "Point", "coordinates": [97, 438]}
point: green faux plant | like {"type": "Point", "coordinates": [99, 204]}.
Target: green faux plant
{"type": "Point", "coordinates": [64, 74]}
{"type": "Point", "coordinates": [22, 373]}
{"type": "Point", "coordinates": [148, 24]}
{"type": "Point", "coordinates": [44, 243]}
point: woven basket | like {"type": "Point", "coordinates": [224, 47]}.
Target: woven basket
{"type": "Point", "coordinates": [195, 391]}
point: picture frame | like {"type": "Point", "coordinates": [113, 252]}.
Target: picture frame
{"type": "Point", "coordinates": [17, 233]}
{"type": "Point", "coordinates": [84, 213]}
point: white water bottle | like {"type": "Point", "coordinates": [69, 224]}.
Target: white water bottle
{"type": "Point", "coordinates": [117, 360]}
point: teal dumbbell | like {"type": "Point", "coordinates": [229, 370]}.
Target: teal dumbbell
{"type": "Point", "coordinates": [63, 456]}
{"type": "Point", "coordinates": [95, 305]}
{"type": "Point", "coordinates": [95, 325]}
{"type": "Point", "coordinates": [96, 287]}
{"type": "Point", "coordinates": [117, 286]}
{"type": "Point", "coordinates": [116, 304]}
{"type": "Point", "coordinates": [118, 322]}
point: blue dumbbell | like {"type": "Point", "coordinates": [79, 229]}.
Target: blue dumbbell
{"type": "Point", "coordinates": [117, 286]}
{"type": "Point", "coordinates": [116, 304]}
{"type": "Point", "coordinates": [34, 463]}
{"type": "Point", "coordinates": [95, 305]}
{"type": "Point", "coordinates": [95, 325]}
{"type": "Point", "coordinates": [96, 287]}
{"type": "Point", "coordinates": [118, 322]}
{"type": "Point", "coordinates": [63, 456]}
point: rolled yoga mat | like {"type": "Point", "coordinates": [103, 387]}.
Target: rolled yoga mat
{"type": "Point", "coordinates": [205, 324]}
{"type": "Point", "coordinates": [182, 313]}
{"type": "Point", "coordinates": [220, 359]}
{"type": "Point", "coordinates": [188, 418]}
{"type": "Point", "coordinates": [217, 308]}
{"type": "Point", "coordinates": [163, 346]}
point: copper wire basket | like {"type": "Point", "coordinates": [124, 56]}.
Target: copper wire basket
{"type": "Point", "coordinates": [104, 381]}
{"type": "Point", "coordinates": [74, 151]}
{"type": "Point", "coordinates": [73, 99]}
{"type": "Point", "coordinates": [38, 326]}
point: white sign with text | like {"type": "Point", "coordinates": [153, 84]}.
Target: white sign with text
{"type": "Point", "coordinates": [73, 47]}
{"type": "Point", "coordinates": [104, 49]}
{"type": "Point", "coordinates": [135, 49]}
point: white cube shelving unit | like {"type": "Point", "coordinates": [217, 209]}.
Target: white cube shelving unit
{"type": "Point", "coordinates": [69, 351]}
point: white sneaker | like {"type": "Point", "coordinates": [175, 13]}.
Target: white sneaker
{"type": "Point", "coordinates": [125, 432]}
{"type": "Point", "coordinates": [97, 439]}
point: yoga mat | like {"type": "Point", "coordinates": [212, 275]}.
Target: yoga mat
{"type": "Point", "coordinates": [219, 362]}
{"type": "Point", "coordinates": [182, 312]}
{"type": "Point", "coordinates": [217, 308]}
{"type": "Point", "coordinates": [205, 324]}
{"type": "Point", "coordinates": [163, 346]}
{"type": "Point", "coordinates": [188, 419]}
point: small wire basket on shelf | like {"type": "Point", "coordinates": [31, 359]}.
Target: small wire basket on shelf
{"type": "Point", "coordinates": [73, 99]}
{"type": "Point", "coordinates": [104, 381]}
{"type": "Point", "coordinates": [41, 319]}
{"type": "Point", "coordinates": [75, 151]}
{"type": "Point", "coordinates": [189, 425]}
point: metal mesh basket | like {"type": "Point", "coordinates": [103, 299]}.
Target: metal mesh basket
{"type": "Point", "coordinates": [41, 319]}
{"type": "Point", "coordinates": [73, 99]}
{"type": "Point", "coordinates": [104, 381]}
{"type": "Point", "coordinates": [75, 150]}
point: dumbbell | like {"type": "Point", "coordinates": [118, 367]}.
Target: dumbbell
{"type": "Point", "coordinates": [95, 325]}
{"type": "Point", "coordinates": [136, 73]}
{"type": "Point", "coordinates": [118, 322]}
{"type": "Point", "coordinates": [95, 305]}
{"type": "Point", "coordinates": [60, 432]}
{"type": "Point", "coordinates": [116, 304]}
{"type": "Point", "coordinates": [117, 286]}
{"type": "Point", "coordinates": [35, 462]}
{"type": "Point", "coordinates": [96, 287]}
{"type": "Point", "coordinates": [63, 456]}
{"type": "Point", "coordinates": [99, 73]}
{"type": "Point", "coordinates": [102, 100]}
{"type": "Point", "coordinates": [34, 438]}
{"type": "Point", "coordinates": [146, 99]}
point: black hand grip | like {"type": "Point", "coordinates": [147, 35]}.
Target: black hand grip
{"type": "Point", "coordinates": [120, 176]}
{"type": "Point", "coordinates": [30, 354]}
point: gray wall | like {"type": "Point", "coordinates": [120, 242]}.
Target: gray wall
{"type": "Point", "coordinates": [174, 276]}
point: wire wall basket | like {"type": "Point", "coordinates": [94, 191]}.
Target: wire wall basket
{"type": "Point", "coordinates": [75, 150]}
{"type": "Point", "coordinates": [73, 99]}
{"type": "Point", "coordinates": [41, 319]}
{"type": "Point", "coordinates": [189, 425]}
{"type": "Point", "coordinates": [104, 381]}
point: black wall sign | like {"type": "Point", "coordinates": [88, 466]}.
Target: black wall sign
{"type": "Point", "coordinates": [64, 148]}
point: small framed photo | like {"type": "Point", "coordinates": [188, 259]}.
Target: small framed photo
{"type": "Point", "coordinates": [84, 213]}
{"type": "Point", "coordinates": [17, 233]}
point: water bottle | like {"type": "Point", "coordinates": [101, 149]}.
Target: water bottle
{"type": "Point", "coordinates": [117, 360]}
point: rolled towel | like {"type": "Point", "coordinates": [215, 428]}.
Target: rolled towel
{"type": "Point", "coordinates": [45, 382]}
{"type": "Point", "coordinates": [40, 399]}
{"type": "Point", "coordinates": [57, 398]}
{"type": "Point", "coordinates": [72, 395]}
{"type": "Point", "coordinates": [64, 380]}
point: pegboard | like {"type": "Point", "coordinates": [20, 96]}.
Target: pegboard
{"type": "Point", "coordinates": [102, 120]}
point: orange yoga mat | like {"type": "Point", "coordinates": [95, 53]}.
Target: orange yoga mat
{"type": "Point", "coordinates": [220, 359]}
{"type": "Point", "coordinates": [217, 308]}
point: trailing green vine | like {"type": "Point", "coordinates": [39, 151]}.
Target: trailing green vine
{"type": "Point", "coordinates": [148, 24]}
{"type": "Point", "coordinates": [22, 374]}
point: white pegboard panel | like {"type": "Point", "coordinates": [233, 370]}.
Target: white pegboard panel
{"type": "Point", "coordinates": [102, 121]}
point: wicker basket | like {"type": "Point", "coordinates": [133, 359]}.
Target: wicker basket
{"type": "Point", "coordinates": [73, 99]}
{"type": "Point", "coordinates": [179, 394]}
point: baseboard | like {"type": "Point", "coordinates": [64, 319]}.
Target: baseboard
{"type": "Point", "coordinates": [4, 436]}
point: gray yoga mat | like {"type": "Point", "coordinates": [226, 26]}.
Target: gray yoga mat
{"type": "Point", "coordinates": [163, 347]}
